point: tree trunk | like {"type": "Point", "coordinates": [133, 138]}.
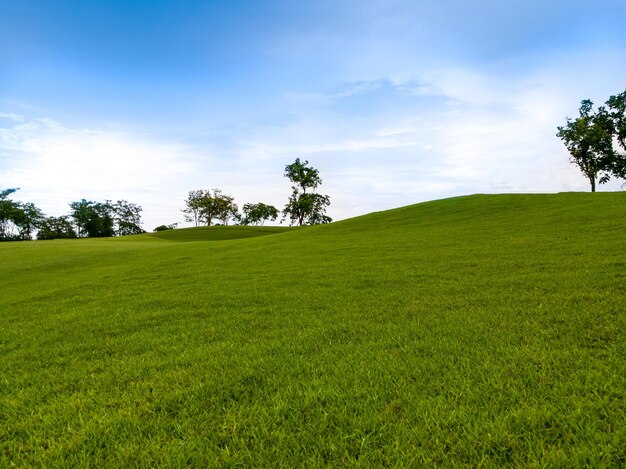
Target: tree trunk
{"type": "Point", "coordinates": [592, 180]}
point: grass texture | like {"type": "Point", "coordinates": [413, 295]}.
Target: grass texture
{"type": "Point", "coordinates": [481, 331]}
{"type": "Point", "coordinates": [218, 233]}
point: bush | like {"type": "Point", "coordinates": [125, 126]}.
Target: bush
{"type": "Point", "coordinates": [166, 227]}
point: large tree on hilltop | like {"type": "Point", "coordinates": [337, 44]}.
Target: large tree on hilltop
{"type": "Point", "coordinates": [304, 206]}
{"type": "Point", "coordinates": [589, 139]}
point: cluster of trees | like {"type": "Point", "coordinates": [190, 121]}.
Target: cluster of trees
{"type": "Point", "coordinates": [19, 220]}
{"type": "Point", "coordinates": [207, 207]}
{"type": "Point", "coordinates": [105, 219]}
{"type": "Point", "coordinates": [594, 139]}
{"type": "Point", "coordinates": [304, 206]}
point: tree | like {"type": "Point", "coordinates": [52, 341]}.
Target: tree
{"type": "Point", "coordinates": [303, 207]}
{"type": "Point", "coordinates": [255, 214]}
{"type": "Point", "coordinates": [56, 228]}
{"type": "Point", "coordinates": [617, 109]}
{"type": "Point", "coordinates": [308, 209]}
{"type": "Point", "coordinates": [192, 211]}
{"type": "Point", "coordinates": [589, 139]}
{"type": "Point", "coordinates": [104, 219]}
{"type": "Point", "coordinates": [207, 207]}
{"type": "Point", "coordinates": [28, 219]}
{"type": "Point", "coordinates": [127, 218]}
{"type": "Point", "coordinates": [18, 220]}
{"type": "Point", "coordinates": [166, 227]}
{"type": "Point", "coordinates": [93, 219]}
{"type": "Point", "coordinates": [8, 213]}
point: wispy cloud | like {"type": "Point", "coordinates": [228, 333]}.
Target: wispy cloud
{"type": "Point", "coordinates": [11, 116]}
{"type": "Point", "coordinates": [54, 164]}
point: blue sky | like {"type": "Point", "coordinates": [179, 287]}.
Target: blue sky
{"type": "Point", "coordinates": [394, 101]}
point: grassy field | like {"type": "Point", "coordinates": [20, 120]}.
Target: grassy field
{"type": "Point", "coordinates": [218, 233]}
{"type": "Point", "coordinates": [486, 330]}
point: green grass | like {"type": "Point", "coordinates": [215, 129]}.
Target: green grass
{"type": "Point", "coordinates": [218, 233]}
{"type": "Point", "coordinates": [487, 330]}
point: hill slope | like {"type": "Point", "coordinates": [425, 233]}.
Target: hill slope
{"type": "Point", "coordinates": [475, 330]}
{"type": "Point", "coordinates": [218, 233]}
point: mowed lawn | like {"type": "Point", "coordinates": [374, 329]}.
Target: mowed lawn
{"type": "Point", "coordinates": [486, 330]}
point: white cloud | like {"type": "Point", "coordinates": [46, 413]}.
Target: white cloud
{"type": "Point", "coordinates": [419, 135]}
{"type": "Point", "coordinates": [480, 132]}
{"type": "Point", "coordinates": [54, 165]}
{"type": "Point", "coordinates": [11, 116]}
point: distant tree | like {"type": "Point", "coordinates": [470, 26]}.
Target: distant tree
{"type": "Point", "coordinates": [104, 219]}
{"type": "Point", "coordinates": [224, 206]}
{"type": "Point", "coordinates": [304, 207]}
{"type": "Point", "coordinates": [617, 108]}
{"type": "Point", "coordinates": [166, 227]}
{"type": "Point", "coordinates": [127, 218]}
{"type": "Point", "coordinates": [93, 219]}
{"type": "Point", "coordinates": [192, 209]}
{"type": "Point", "coordinates": [8, 213]}
{"type": "Point", "coordinates": [589, 139]}
{"type": "Point", "coordinates": [209, 206]}
{"type": "Point", "coordinates": [616, 105]}
{"type": "Point", "coordinates": [29, 218]}
{"type": "Point", "coordinates": [56, 228]}
{"type": "Point", "coordinates": [18, 220]}
{"type": "Point", "coordinates": [255, 214]}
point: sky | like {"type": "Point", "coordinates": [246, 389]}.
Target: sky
{"type": "Point", "coordinates": [394, 101]}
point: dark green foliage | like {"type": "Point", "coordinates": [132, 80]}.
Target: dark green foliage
{"type": "Point", "coordinates": [93, 219]}
{"type": "Point", "coordinates": [127, 217]}
{"type": "Point", "coordinates": [18, 220]}
{"type": "Point", "coordinates": [219, 233]}
{"type": "Point", "coordinates": [256, 214]}
{"type": "Point", "coordinates": [56, 228]}
{"type": "Point", "coordinates": [101, 220]}
{"type": "Point", "coordinates": [165, 227]}
{"type": "Point", "coordinates": [206, 207]}
{"type": "Point", "coordinates": [305, 208]}
{"type": "Point", "coordinates": [617, 107]}
{"type": "Point", "coordinates": [589, 139]}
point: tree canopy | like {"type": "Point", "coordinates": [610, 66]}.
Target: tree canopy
{"type": "Point", "coordinates": [304, 207]}
{"type": "Point", "coordinates": [209, 206]}
{"type": "Point", "coordinates": [18, 220]}
{"type": "Point", "coordinates": [104, 219]}
{"type": "Point", "coordinates": [56, 228]}
{"type": "Point", "coordinates": [593, 139]}
{"type": "Point", "coordinates": [616, 105]}
{"type": "Point", "coordinates": [256, 214]}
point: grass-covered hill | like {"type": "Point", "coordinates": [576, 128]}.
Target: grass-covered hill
{"type": "Point", "coordinates": [486, 330]}
{"type": "Point", "coordinates": [218, 233]}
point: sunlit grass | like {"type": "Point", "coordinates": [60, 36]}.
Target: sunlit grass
{"type": "Point", "coordinates": [483, 330]}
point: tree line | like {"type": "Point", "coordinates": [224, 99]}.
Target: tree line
{"type": "Point", "coordinates": [304, 207]}
{"type": "Point", "coordinates": [594, 139]}
{"type": "Point", "coordinates": [19, 220]}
